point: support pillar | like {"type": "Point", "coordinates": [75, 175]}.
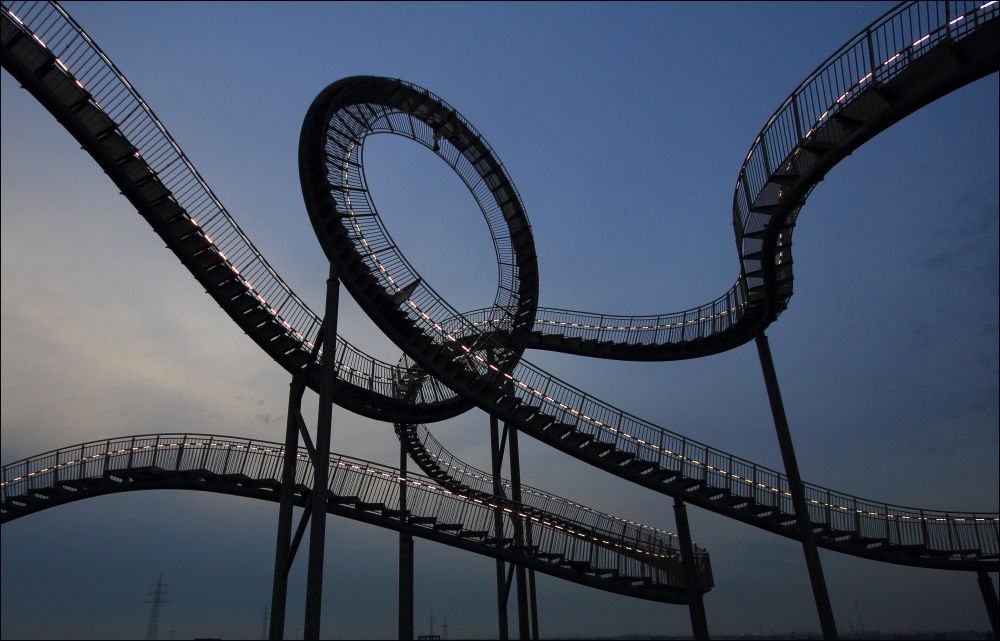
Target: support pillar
{"type": "Point", "coordinates": [321, 463]}
{"type": "Point", "coordinates": [405, 555]}
{"type": "Point", "coordinates": [696, 602]}
{"type": "Point", "coordinates": [515, 494]}
{"type": "Point", "coordinates": [498, 531]}
{"type": "Point", "coordinates": [990, 599]}
{"type": "Point", "coordinates": [808, 536]}
{"type": "Point", "coordinates": [279, 589]}
{"type": "Point", "coordinates": [532, 598]}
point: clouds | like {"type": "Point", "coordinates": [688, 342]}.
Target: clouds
{"type": "Point", "coordinates": [624, 129]}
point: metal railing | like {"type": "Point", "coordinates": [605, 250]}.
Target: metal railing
{"type": "Point", "coordinates": [659, 329]}
{"type": "Point", "coordinates": [365, 484]}
{"type": "Point", "coordinates": [829, 89]}
{"type": "Point", "coordinates": [482, 483]}
{"type": "Point", "coordinates": [111, 93]}
{"type": "Point", "coordinates": [870, 59]}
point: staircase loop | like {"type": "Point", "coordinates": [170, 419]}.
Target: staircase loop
{"type": "Point", "coordinates": [912, 55]}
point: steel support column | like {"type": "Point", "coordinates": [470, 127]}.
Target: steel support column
{"type": "Point", "coordinates": [990, 599]}
{"type": "Point", "coordinates": [279, 589]}
{"type": "Point", "coordinates": [405, 554]}
{"type": "Point", "coordinates": [532, 598]}
{"type": "Point", "coordinates": [795, 487]}
{"type": "Point", "coordinates": [321, 462]}
{"type": "Point", "coordinates": [498, 529]}
{"type": "Point", "coordinates": [696, 602]}
{"type": "Point", "coordinates": [524, 629]}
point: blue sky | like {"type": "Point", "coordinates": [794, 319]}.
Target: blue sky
{"type": "Point", "coordinates": [623, 127]}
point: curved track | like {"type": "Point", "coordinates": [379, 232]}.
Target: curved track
{"type": "Point", "coordinates": [588, 548]}
{"type": "Point", "coordinates": [905, 60]}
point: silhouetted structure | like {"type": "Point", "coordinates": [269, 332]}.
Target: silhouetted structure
{"type": "Point", "coordinates": [152, 630]}
{"type": "Point", "coordinates": [452, 362]}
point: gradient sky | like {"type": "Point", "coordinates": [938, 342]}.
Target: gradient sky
{"type": "Point", "coordinates": [623, 127]}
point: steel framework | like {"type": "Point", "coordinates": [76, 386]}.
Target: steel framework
{"type": "Point", "coordinates": [454, 361]}
{"type": "Point", "coordinates": [640, 562]}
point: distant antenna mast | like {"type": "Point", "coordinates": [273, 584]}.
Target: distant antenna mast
{"type": "Point", "coordinates": [266, 619]}
{"type": "Point", "coordinates": [431, 633]}
{"type": "Point", "coordinates": [154, 616]}
{"type": "Point", "coordinates": [444, 628]}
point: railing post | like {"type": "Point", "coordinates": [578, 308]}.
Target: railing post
{"type": "Point", "coordinates": [808, 536]}
{"type": "Point", "coordinates": [225, 461]}
{"type": "Point", "coordinates": [871, 53]}
{"type": "Point", "coordinates": [107, 457]}
{"type": "Point", "coordinates": [951, 538]}
{"type": "Point", "coordinates": [795, 113]}
{"type": "Point", "coordinates": [180, 454]}
{"type": "Point", "coordinates": [131, 453]}
{"type": "Point", "coordinates": [696, 603]}
{"type": "Point", "coordinates": [321, 465]}
{"type": "Point", "coordinates": [767, 158]}
{"type": "Point", "coordinates": [208, 449]}
{"type": "Point", "coordinates": [979, 538]}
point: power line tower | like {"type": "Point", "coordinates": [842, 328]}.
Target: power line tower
{"type": "Point", "coordinates": [431, 629]}
{"type": "Point", "coordinates": [444, 629]}
{"type": "Point", "coordinates": [154, 616]}
{"type": "Point", "coordinates": [266, 623]}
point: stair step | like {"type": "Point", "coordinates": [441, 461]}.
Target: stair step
{"type": "Point", "coordinates": [757, 509]}
{"type": "Point", "coordinates": [781, 517]}
{"type": "Point", "coordinates": [597, 447]}
{"type": "Point", "coordinates": [816, 146]}
{"type": "Point", "coordinates": [847, 122]}
{"type": "Point", "coordinates": [524, 412]}
{"type": "Point", "coordinates": [540, 421]}
{"type": "Point", "coordinates": [423, 520]}
{"type": "Point", "coordinates": [509, 403]}
{"type": "Point", "coordinates": [662, 474]}
{"type": "Point", "coordinates": [785, 180]}
{"type": "Point", "coordinates": [683, 483]}
{"type": "Point", "coordinates": [616, 457]}
{"type": "Point", "coordinates": [577, 438]}
{"type": "Point", "coordinates": [559, 429]}
{"type": "Point", "coordinates": [448, 527]}
{"type": "Point", "coordinates": [640, 466]}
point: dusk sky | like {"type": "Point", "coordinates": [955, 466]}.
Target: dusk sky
{"type": "Point", "coordinates": [624, 127]}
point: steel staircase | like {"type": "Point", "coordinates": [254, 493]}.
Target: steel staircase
{"type": "Point", "coordinates": [359, 490]}
{"type": "Point", "coordinates": [914, 54]}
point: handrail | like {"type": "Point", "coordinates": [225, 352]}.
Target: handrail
{"type": "Point", "coordinates": [94, 72]}
{"type": "Point", "coordinates": [871, 58]}
{"type": "Point", "coordinates": [361, 481]}
{"type": "Point", "coordinates": [889, 46]}
{"type": "Point", "coordinates": [482, 482]}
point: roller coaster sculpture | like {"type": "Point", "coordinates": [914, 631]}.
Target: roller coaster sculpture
{"type": "Point", "coordinates": [454, 361]}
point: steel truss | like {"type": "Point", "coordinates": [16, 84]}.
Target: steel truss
{"type": "Point", "coordinates": [452, 361]}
